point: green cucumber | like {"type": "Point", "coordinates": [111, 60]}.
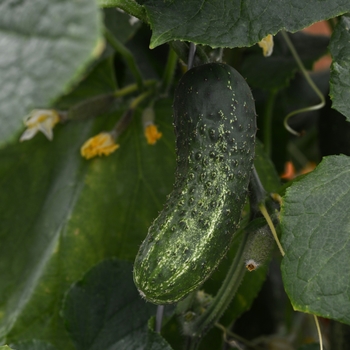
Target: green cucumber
{"type": "Point", "coordinates": [215, 127]}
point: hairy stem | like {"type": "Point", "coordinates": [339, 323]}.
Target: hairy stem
{"type": "Point", "coordinates": [127, 55]}
{"type": "Point", "coordinates": [129, 89]}
{"type": "Point", "coordinates": [271, 226]}
{"type": "Point", "coordinates": [226, 292]}
{"type": "Point", "coordinates": [169, 71]}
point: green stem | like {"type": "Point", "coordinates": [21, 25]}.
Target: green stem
{"type": "Point", "coordinates": [137, 100]}
{"type": "Point", "coordinates": [237, 337]}
{"type": "Point", "coordinates": [169, 72]}
{"type": "Point", "coordinates": [268, 219]}
{"type": "Point", "coordinates": [125, 120]}
{"type": "Point", "coordinates": [257, 194]}
{"type": "Point", "coordinates": [182, 50]}
{"type": "Point", "coordinates": [224, 296]}
{"type": "Point", "coordinates": [310, 82]}
{"type": "Point", "coordinates": [127, 55]}
{"type": "Point", "coordinates": [268, 113]}
{"type": "Point", "coordinates": [129, 6]}
{"type": "Point", "coordinates": [129, 89]}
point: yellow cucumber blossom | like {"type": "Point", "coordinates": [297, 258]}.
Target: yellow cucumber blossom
{"type": "Point", "coordinates": [152, 134]}
{"type": "Point", "coordinates": [150, 130]}
{"type": "Point", "coordinates": [102, 144]}
{"type": "Point", "coordinates": [40, 120]}
{"type": "Point", "coordinates": [267, 45]}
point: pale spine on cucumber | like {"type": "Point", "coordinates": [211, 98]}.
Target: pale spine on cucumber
{"type": "Point", "coordinates": [215, 127]}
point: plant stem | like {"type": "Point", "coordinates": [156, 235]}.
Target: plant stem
{"type": "Point", "coordinates": [129, 89]}
{"type": "Point", "coordinates": [159, 318]}
{"type": "Point", "coordinates": [271, 226]}
{"type": "Point", "coordinates": [310, 82]}
{"type": "Point", "coordinates": [236, 337]}
{"type": "Point", "coordinates": [169, 71]}
{"type": "Point", "coordinates": [319, 333]}
{"type": "Point", "coordinates": [268, 113]}
{"type": "Point", "coordinates": [191, 54]}
{"type": "Point", "coordinates": [224, 296]}
{"type": "Point", "coordinates": [137, 100]}
{"type": "Point", "coordinates": [129, 6]}
{"type": "Point", "coordinates": [182, 49]}
{"type": "Point", "coordinates": [127, 55]}
{"type": "Point", "coordinates": [257, 194]}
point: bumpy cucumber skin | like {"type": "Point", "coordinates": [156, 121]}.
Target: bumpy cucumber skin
{"type": "Point", "coordinates": [215, 127]}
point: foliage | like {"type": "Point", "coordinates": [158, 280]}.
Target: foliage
{"type": "Point", "coordinates": [72, 220]}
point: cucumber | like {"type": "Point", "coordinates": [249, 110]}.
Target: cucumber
{"type": "Point", "coordinates": [215, 127]}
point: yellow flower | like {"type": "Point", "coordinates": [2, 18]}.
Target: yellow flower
{"type": "Point", "coordinates": [267, 45]}
{"type": "Point", "coordinates": [40, 120]}
{"type": "Point", "coordinates": [101, 144]}
{"type": "Point", "coordinates": [152, 134]}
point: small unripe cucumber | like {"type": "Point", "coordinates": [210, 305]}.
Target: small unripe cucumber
{"type": "Point", "coordinates": [215, 126]}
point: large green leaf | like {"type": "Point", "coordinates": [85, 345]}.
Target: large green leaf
{"type": "Point", "coordinates": [33, 345]}
{"type": "Point", "coordinates": [105, 311]}
{"type": "Point", "coordinates": [234, 23]}
{"type": "Point", "coordinates": [340, 69]}
{"type": "Point", "coordinates": [315, 227]}
{"type": "Point", "coordinates": [61, 214]}
{"type": "Point", "coordinates": [44, 48]}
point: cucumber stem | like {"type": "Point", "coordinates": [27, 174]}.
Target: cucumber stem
{"type": "Point", "coordinates": [159, 318]}
{"type": "Point", "coordinates": [237, 337]}
{"type": "Point", "coordinates": [129, 89]}
{"type": "Point", "coordinates": [169, 71]}
{"type": "Point", "coordinates": [310, 82]}
{"type": "Point", "coordinates": [191, 56]}
{"type": "Point", "coordinates": [272, 227]}
{"type": "Point", "coordinates": [182, 49]}
{"type": "Point", "coordinates": [257, 193]}
{"type": "Point", "coordinates": [137, 100]}
{"type": "Point", "coordinates": [127, 55]}
{"type": "Point", "coordinates": [224, 296]}
{"type": "Point", "coordinates": [318, 332]}
{"type": "Point", "coordinates": [268, 113]}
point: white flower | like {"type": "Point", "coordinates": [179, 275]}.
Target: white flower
{"type": "Point", "coordinates": [40, 120]}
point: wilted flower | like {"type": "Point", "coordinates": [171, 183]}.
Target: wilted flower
{"type": "Point", "coordinates": [40, 120]}
{"type": "Point", "coordinates": [102, 144]}
{"type": "Point", "coordinates": [152, 134]}
{"type": "Point", "coordinates": [267, 45]}
{"type": "Point", "coordinates": [150, 129]}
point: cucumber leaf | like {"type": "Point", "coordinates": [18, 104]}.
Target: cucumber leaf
{"type": "Point", "coordinates": [154, 340]}
{"type": "Point", "coordinates": [44, 48]}
{"type": "Point", "coordinates": [340, 69]}
{"type": "Point", "coordinates": [105, 311]}
{"type": "Point", "coordinates": [66, 214]}
{"type": "Point", "coordinates": [33, 345]}
{"type": "Point", "coordinates": [315, 229]}
{"type": "Point", "coordinates": [222, 23]}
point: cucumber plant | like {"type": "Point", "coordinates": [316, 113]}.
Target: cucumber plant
{"type": "Point", "coordinates": [215, 127]}
{"type": "Point", "coordinates": [98, 154]}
